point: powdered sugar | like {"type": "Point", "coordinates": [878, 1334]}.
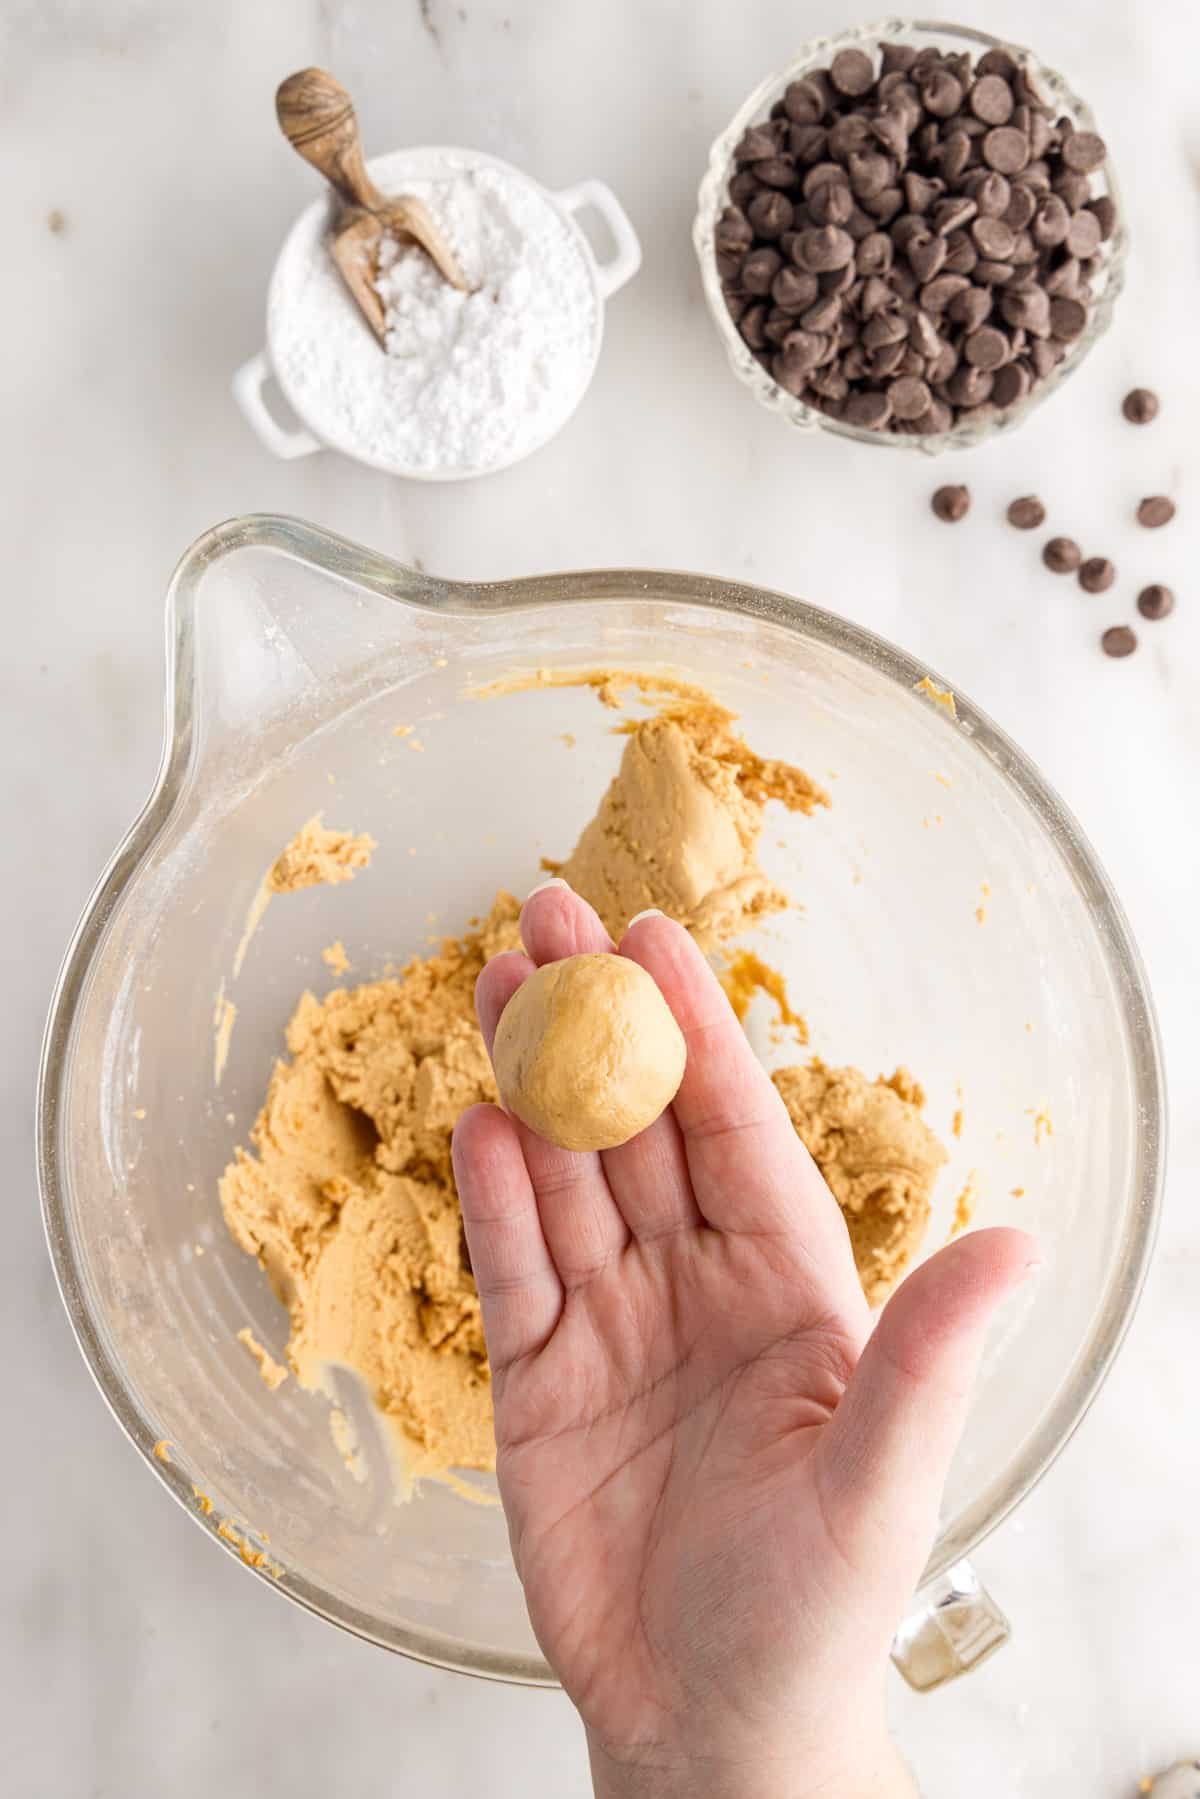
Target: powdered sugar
{"type": "Point", "coordinates": [469, 381]}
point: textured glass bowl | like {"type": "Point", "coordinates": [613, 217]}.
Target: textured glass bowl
{"type": "Point", "coordinates": [292, 658]}
{"type": "Point", "coordinates": [714, 197]}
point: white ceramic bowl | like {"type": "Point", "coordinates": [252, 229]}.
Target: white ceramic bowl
{"type": "Point", "coordinates": [322, 427]}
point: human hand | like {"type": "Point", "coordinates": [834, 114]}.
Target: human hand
{"type": "Point", "coordinates": [720, 1494]}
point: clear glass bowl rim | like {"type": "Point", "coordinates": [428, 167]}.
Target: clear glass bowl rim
{"type": "Point", "coordinates": [712, 197]}
{"type": "Point", "coordinates": [351, 562]}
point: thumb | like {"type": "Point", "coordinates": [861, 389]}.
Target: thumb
{"type": "Point", "coordinates": [887, 1449]}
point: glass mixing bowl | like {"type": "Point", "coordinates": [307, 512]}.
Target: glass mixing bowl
{"type": "Point", "coordinates": [293, 656]}
{"type": "Point", "coordinates": [714, 196]}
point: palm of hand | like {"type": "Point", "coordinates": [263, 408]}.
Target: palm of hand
{"type": "Point", "coordinates": [702, 1495]}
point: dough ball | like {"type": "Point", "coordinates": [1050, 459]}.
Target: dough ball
{"type": "Point", "coordinates": [588, 1053]}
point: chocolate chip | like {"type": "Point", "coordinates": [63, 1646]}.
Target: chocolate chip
{"type": "Point", "coordinates": [1097, 574]}
{"type": "Point", "coordinates": [997, 62]}
{"type": "Point", "coordinates": [951, 215]}
{"type": "Point", "coordinates": [986, 348]}
{"type": "Point", "coordinates": [926, 252]}
{"type": "Point", "coordinates": [1119, 640]}
{"type": "Point", "coordinates": [1028, 310]}
{"type": "Point", "coordinates": [794, 289]}
{"type": "Point", "coordinates": [1021, 207]}
{"type": "Point", "coordinates": [991, 193]}
{"type": "Point", "coordinates": [970, 308]}
{"type": "Point", "coordinates": [1067, 318]}
{"type": "Point", "coordinates": [870, 411]}
{"type": "Point", "coordinates": [1084, 152]}
{"type": "Point", "coordinates": [1051, 222]}
{"type": "Point", "coordinates": [776, 171]}
{"type": "Point", "coordinates": [993, 274]}
{"type": "Point", "coordinates": [897, 57]}
{"type": "Point", "coordinates": [993, 238]}
{"type": "Point", "coordinates": [951, 503]}
{"type": "Point", "coordinates": [991, 99]}
{"type": "Point", "coordinates": [1006, 150]}
{"type": "Point", "coordinates": [923, 336]}
{"type": "Point", "coordinates": [1027, 513]}
{"type": "Point", "coordinates": [824, 315]}
{"type": "Point", "coordinates": [1154, 601]}
{"type": "Point", "coordinates": [759, 270]}
{"type": "Point", "coordinates": [852, 72]}
{"type": "Point", "coordinates": [1105, 209]}
{"type": "Point", "coordinates": [1140, 405]}
{"type": "Point", "coordinates": [826, 247]}
{"type": "Point", "coordinates": [754, 145]}
{"type": "Point", "coordinates": [771, 213]}
{"type": "Point", "coordinates": [1155, 511]}
{"type": "Point", "coordinates": [969, 386]}
{"type": "Point", "coordinates": [1083, 234]}
{"type": "Point", "coordinates": [909, 397]}
{"type": "Point", "coordinates": [942, 94]}
{"type": "Point", "coordinates": [956, 154]}
{"type": "Point", "coordinates": [1073, 189]}
{"type": "Point", "coordinates": [831, 203]}
{"type": "Point", "coordinates": [1062, 555]}
{"type": "Point", "coordinates": [962, 258]}
{"type": "Point", "coordinates": [874, 254]}
{"type": "Point", "coordinates": [937, 294]}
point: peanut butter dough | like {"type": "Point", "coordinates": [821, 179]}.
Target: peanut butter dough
{"type": "Point", "coordinates": [349, 1203]}
{"type": "Point", "coordinates": [347, 1198]}
{"type": "Point", "coordinates": [679, 825]}
{"type": "Point", "coordinates": [878, 1157]}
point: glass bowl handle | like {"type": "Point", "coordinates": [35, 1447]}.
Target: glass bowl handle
{"type": "Point", "coordinates": [955, 1625]}
{"type": "Point", "coordinates": [626, 260]}
{"type": "Point", "coordinates": [248, 384]}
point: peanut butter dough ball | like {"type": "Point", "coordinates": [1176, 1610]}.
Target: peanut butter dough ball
{"type": "Point", "coordinates": [587, 1052]}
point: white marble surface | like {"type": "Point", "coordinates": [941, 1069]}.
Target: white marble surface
{"type": "Point", "coordinates": [134, 1660]}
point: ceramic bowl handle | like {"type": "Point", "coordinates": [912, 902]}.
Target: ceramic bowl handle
{"type": "Point", "coordinates": [248, 384]}
{"type": "Point", "coordinates": [627, 258]}
{"type": "Point", "coordinates": [955, 1626]}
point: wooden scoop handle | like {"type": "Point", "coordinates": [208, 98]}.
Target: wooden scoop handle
{"type": "Point", "coordinates": [316, 115]}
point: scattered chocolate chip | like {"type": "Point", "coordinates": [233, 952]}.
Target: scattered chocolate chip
{"type": "Point", "coordinates": [1097, 574]}
{"type": "Point", "coordinates": [1155, 601]}
{"type": "Point", "coordinates": [1119, 640]}
{"type": "Point", "coordinates": [1155, 511]}
{"type": "Point", "coordinates": [1140, 406]}
{"type": "Point", "coordinates": [1062, 555]}
{"type": "Point", "coordinates": [951, 503]}
{"type": "Point", "coordinates": [1027, 514]}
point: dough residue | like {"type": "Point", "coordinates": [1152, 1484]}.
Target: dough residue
{"type": "Point", "coordinates": [273, 1373]}
{"type": "Point", "coordinates": [746, 974]}
{"type": "Point", "coordinates": [335, 958]}
{"type": "Point", "coordinates": [318, 857]}
{"type": "Point", "coordinates": [878, 1157]}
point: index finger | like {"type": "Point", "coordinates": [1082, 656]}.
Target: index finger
{"type": "Point", "coordinates": [750, 1171]}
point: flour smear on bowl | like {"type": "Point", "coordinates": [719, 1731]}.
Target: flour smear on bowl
{"type": "Point", "coordinates": [469, 381]}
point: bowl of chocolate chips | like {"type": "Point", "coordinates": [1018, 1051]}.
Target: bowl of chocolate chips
{"type": "Point", "coordinates": [911, 236]}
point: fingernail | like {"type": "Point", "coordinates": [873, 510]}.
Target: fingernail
{"type": "Point", "coordinates": [650, 912]}
{"type": "Point", "coordinates": [555, 881]}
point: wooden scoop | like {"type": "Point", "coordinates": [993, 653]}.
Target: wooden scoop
{"type": "Point", "coordinates": [316, 115]}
